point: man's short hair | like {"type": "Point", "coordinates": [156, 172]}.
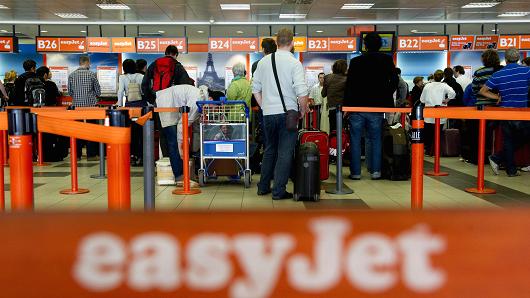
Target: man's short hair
{"type": "Point", "coordinates": [172, 50]}
{"type": "Point", "coordinates": [438, 75]}
{"type": "Point", "coordinates": [398, 70]}
{"type": "Point", "coordinates": [129, 66]}
{"type": "Point", "coordinates": [512, 55]}
{"type": "Point", "coordinates": [239, 69]}
{"type": "Point", "coordinates": [373, 42]}
{"type": "Point", "coordinates": [269, 46]}
{"type": "Point", "coordinates": [417, 80]}
{"type": "Point", "coordinates": [42, 71]}
{"type": "Point", "coordinates": [448, 72]}
{"type": "Point", "coordinates": [84, 60]}
{"type": "Point", "coordinates": [339, 67]}
{"type": "Point", "coordinates": [29, 64]}
{"type": "Point", "coordinates": [285, 37]}
{"type": "Point", "coordinates": [490, 58]}
{"type": "Point", "coordinates": [140, 64]}
{"type": "Point", "coordinates": [460, 69]}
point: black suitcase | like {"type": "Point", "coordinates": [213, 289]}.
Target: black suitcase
{"type": "Point", "coordinates": [396, 154]}
{"type": "Point", "coordinates": [54, 147]}
{"type": "Point", "coordinates": [307, 176]}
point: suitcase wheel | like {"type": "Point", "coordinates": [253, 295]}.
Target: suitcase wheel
{"type": "Point", "coordinates": [316, 197]}
{"type": "Point", "coordinates": [202, 178]}
{"type": "Point", "coordinates": [296, 197]}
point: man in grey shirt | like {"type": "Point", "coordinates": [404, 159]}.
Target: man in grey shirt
{"type": "Point", "coordinates": [280, 142]}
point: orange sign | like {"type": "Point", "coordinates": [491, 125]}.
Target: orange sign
{"type": "Point", "coordinates": [180, 42]}
{"type": "Point", "coordinates": [158, 45]}
{"type": "Point", "coordinates": [422, 43]}
{"type": "Point", "coordinates": [98, 44]}
{"type": "Point", "coordinates": [462, 42]}
{"type": "Point", "coordinates": [123, 45]}
{"type": "Point", "coordinates": [227, 44]}
{"type": "Point", "coordinates": [524, 42]}
{"type": "Point", "coordinates": [339, 254]}
{"type": "Point", "coordinates": [61, 44]}
{"type": "Point", "coordinates": [331, 44]}
{"type": "Point", "coordinates": [8, 44]}
{"type": "Point", "coordinates": [300, 43]}
{"type": "Point", "coordinates": [508, 41]}
{"type": "Point", "coordinates": [484, 42]}
{"type": "Point", "coordinates": [219, 44]}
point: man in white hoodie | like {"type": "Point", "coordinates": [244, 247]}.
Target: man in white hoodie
{"type": "Point", "coordinates": [174, 97]}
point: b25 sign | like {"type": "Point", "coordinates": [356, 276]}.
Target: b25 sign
{"type": "Point", "coordinates": [159, 45]}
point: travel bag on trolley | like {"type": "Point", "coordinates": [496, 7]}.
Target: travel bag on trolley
{"type": "Point", "coordinates": [224, 138]}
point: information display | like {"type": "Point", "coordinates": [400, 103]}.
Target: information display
{"type": "Point", "coordinates": [422, 43]}
{"type": "Point", "coordinates": [484, 42]}
{"type": "Point", "coordinates": [159, 45]}
{"type": "Point", "coordinates": [387, 39]}
{"type": "Point", "coordinates": [192, 73]}
{"type": "Point", "coordinates": [98, 45]}
{"type": "Point", "coordinates": [60, 77]}
{"type": "Point", "coordinates": [108, 78]}
{"type": "Point", "coordinates": [229, 44]}
{"type": "Point", "coordinates": [61, 44]}
{"type": "Point", "coordinates": [311, 74]}
{"type": "Point", "coordinates": [462, 42]}
{"type": "Point", "coordinates": [8, 44]}
{"type": "Point", "coordinates": [229, 76]}
{"type": "Point", "coordinates": [331, 44]}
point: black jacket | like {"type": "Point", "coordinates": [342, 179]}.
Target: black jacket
{"type": "Point", "coordinates": [415, 94]}
{"type": "Point", "coordinates": [20, 86]}
{"type": "Point", "coordinates": [180, 77]}
{"type": "Point", "coordinates": [52, 93]}
{"type": "Point", "coordinates": [458, 101]}
{"type": "Point", "coordinates": [372, 81]}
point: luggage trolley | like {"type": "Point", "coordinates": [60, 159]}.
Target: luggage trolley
{"type": "Point", "coordinates": [224, 135]}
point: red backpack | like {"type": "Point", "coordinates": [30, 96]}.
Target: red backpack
{"type": "Point", "coordinates": [163, 73]}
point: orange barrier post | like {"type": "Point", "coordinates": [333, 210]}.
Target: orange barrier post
{"type": "Point", "coordinates": [3, 142]}
{"type": "Point", "coordinates": [21, 152]}
{"type": "Point", "coordinates": [2, 186]}
{"type": "Point", "coordinates": [480, 189]}
{"type": "Point", "coordinates": [186, 189]}
{"type": "Point", "coordinates": [119, 165]}
{"type": "Point", "coordinates": [417, 157]}
{"type": "Point", "coordinates": [436, 171]}
{"type": "Point", "coordinates": [73, 169]}
{"type": "Point", "coordinates": [40, 155]}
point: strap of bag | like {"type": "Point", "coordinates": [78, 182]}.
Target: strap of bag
{"type": "Point", "coordinates": [275, 71]}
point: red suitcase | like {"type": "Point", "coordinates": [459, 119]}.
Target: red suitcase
{"type": "Point", "coordinates": [321, 139]}
{"type": "Point", "coordinates": [450, 143]}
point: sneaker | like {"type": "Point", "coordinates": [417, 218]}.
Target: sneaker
{"type": "Point", "coordinates": [264, 193]}
{"type": "Point", "coordinates": [376, 176]}
{"type": "Point", "coordinates": [526, 169]}
{"type": "Point", "coordinates": [354, 177]}
{"type": "Point", "coordinates": [193, 184]}
{"type": "Point", "coordinates": [285, 196]}
{"type": "Point", "coordinates": [494, 166]}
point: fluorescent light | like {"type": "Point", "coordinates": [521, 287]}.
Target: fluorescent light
{"type": "Point", "coordinates": [115, 6]}
{"type": "Point", "coordinates": [358, 6]}
{"type": "Point", "coordinates": [83, 31]}
{"type": "Point", "coordinates": [3, 6]}
{"type": "Point", "coordinates": [3, 31]}
{"type": "Point", "coordinates": [70, 15]}
{"type": "Point", "coordinates": [319, 31]}
{"type": "Point", "coordinates": [515, 14]}
{"type": "Point", "coordinates": [480, 4]}
{"type": "Point", "coordinates": [200, 32]}
{"type": "Point", "coordinates": [423, 32]}
{"type": "Point", "coordinates": [44, 31]}
{"type": "Point", "coordinates": [239, 32]}
{"type": "Point", "coordinates": [161, 31]}
{"type": "Point", "coordinates": [235, 6]}
{"type": "Point", "coordinates": [292, 16]}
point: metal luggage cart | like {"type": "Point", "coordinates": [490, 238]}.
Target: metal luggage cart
{"type": "Point", "coordinates": [224, 135]}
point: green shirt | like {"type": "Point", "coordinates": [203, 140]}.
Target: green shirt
{"type": "Point", "coordinates": [240, 89]}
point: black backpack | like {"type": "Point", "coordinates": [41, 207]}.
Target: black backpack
{"type": "Point", "coordinates": [35, 93]}
{"type": "Point", "coordinates": [10, 90]}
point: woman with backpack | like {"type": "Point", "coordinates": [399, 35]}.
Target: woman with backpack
{"type": "Point", "coordinates": [9, 85]}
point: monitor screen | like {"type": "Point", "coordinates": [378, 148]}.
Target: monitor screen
{"type": "Point", "coordinates": [388, 41]}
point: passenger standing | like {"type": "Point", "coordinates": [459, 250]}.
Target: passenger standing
{"type": "Point", "coordinates": [460, 76]}
{"type": "Point", "coordinates": [492, 64]}
{"type": "Point", "coordinates": [3, 95]}
{"type": "Point", "coordinates": [435, 94]}
{"type": "Point", "coordinates": [315, 97]}
{"type": "Point", "coordinates": [280, 141]}
{"type": "Point", "coordinates": [9, 85]}
{"type": "Point", "coordinates": [450, 80]}
{"type": "Point", "coordinates": [372, 81]}
{"type": "Point", "coordinates": [52, 92]}
{"type": "Point", "coordinates": [268, 45]}
{"type": "Point", "coordinates": [333, 90]}
{"type": "Point", "coordinates": [402, 91]}
{"type": "Point", "coordinates": [141, 66]}
{"type": "Point", "coordinates": [240, 88]}
{"type": "Point", "coordinates": [83, 86]}
{"type": "Point", "coordinates": [415, 94]}
{"type": "Point", "coordinates": [512, 84]}
{"type": "Point", "coordinates": [30, 67]}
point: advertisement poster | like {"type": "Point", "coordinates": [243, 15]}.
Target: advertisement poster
{"type": "Point", "coordinates": [311, 74]}
{"type": "Point", "coordinates": [229, 76]}
{"type": "Point", "coordinates": [107, 77]}
{"type": "Point", "coordinates": [469, 71]}
{"type": "Point", "coordinates": [192, 72]}
{"type": "Point", "coordinates": [60, 77]}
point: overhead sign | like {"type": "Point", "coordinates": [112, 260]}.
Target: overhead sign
{"type": "Point", "coordinates": [98, 44]}
{"type": "Point", "coordinates": [484, 42]}
{"type": "Point", "coordinates": [61, 44]}
{"type": "Point", "coordinates": [521, 42]}
{"type": "Point", "coordinates": [423, 43]}
{"type": "Point", "coordinates": [320, 254]}
{"type": "Point", "coordinates": [462, 42]}
{"type": "Point", "coordinates": [159, 45]}
{"type": "Point", "coordinates": [8, 44]}
{"type": "Point", "coordinates": [229, 44]}
{"type": "Point", "coordinates": [123, 45]}
{"type": "Point", "coordinates": [300, 42]}
{"type": "Point", "coordinates": [331, 44]}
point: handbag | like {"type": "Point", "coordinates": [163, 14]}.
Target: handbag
{"type": "Point", "coordinates": [291, 116]}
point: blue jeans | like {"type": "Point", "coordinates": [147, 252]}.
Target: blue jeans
{"type": "Point", "coordinates": [278, 156]}
{"type": "Point", "coordinates": [373, 123]}
{"type": "Point", "coordinates": [170, 133]}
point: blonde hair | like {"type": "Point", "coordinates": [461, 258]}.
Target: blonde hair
{"type": "Point", "coordinates": [10, 76]}
{"type": "Point", "coordinates": [285, 37]}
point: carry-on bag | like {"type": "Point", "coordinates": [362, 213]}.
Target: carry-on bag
{"type": "Point", "coordinates": [307, 180]}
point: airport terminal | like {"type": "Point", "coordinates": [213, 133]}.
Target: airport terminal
{"type": "Point", "coordinates": [265, 148]}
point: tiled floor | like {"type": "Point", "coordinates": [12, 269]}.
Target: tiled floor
{"type": "Point", "coordinates": [442, 192]}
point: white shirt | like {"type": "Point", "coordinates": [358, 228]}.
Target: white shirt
{"type": "Point", "coordinates": [178, 96]}
{"type": "Point", "coordinates": [316, 94]}
{"type": "Point", "coordinates": [124, 81]}
{"type": "Point", "coordinates": [434, 94]}
{"type": "Point", "coordinates": [463, 81]}
{"type": "Point", "coordinates": [292, 81]}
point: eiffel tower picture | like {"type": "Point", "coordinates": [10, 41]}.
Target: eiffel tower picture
{"type": "Point", "coordinates": [210, 77]}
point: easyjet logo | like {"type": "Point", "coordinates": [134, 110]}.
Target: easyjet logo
{"type": "Point", "coordinates": [99, 43]}
{"type": "Point", "coordinates": [123, 44]}
{"type": "Point", "coordinates": [244, 42]}
{"type": "Point", "coordinates": [369, 262]}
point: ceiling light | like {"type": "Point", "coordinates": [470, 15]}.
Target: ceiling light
{"type": "Point", "coordinates": [480, 4]}
{"type": "Point", "coordinates": [292, 16]}
{"type": "Point", "coordinates": [212, 20]}
{"type": "Point", "coordinates": [423, 32]}
{"type": "Point", "coordinates": [3, 6]}
{"type": "Point", "coordinates": [358, 6]}
{"type": "Point", "coordinates": [3, 31]}
{"type": "Point", "coordinates": [69, 15]}
{"type": "Point", "coordinates": [115, 6]}
{"type": "Point", "coordinates": [161, 31]}
{"type": "Point", "coordinates": [235, 6]}
{"type": "Point", "coordinates": [239, 32]}
{"type": "Point", "coordinates": [319, 31]}
{"type": "Point", "coordinates": [83, 31]}
{"type": "Point", "coordinates": [44, 31]}
{"type": "Point", "coordinates": [515, 14]}
{"type": "Point", "coordinates": [200, 32]}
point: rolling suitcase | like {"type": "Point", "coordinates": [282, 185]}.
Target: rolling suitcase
{"type": "Point", "coordinates": [450, 143]}
{"type": "Point", "coordinates": [321, 140]}
{"type": "Point", "coordinates": [307, 180]}
{"type": "Point", "coordinates": [396, 154]}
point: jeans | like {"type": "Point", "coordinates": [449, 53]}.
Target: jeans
{"type": "Point", "coordinates": [373, 123]}
{"type": "Point", "coordinates": [278, 157]}
{"type": "Point", "coordinates": [514, 134]}
{"type": "Point", "coordinates": [170, 134]}
{"type": "Point", "coordinates": [92, 148]}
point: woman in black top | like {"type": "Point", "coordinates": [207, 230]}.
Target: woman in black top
{"type": "Point", "coordinates": [52, 92]}
{"type": "Point", "coordinates": [415, 94]}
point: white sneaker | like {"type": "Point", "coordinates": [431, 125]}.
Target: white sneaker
{"type": "Point", "coordinates": [526, 169]}
{"type": "Point", "coordinates": [193, 184]}
{"type": "Point", "coordinates": [494, 166]}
